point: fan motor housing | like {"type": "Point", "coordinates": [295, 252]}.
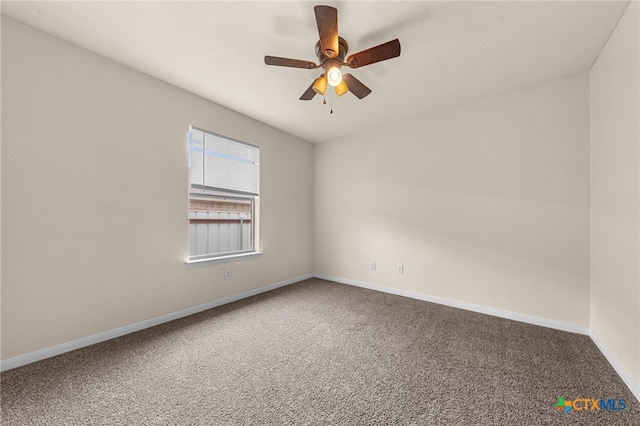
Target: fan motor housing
{"type": "Point", "coordinates": [343, 48]}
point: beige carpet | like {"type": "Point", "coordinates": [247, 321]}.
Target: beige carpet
{"type": "Point", "coordinates": [321, 353]}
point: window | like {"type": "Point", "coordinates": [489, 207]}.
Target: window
{"type": "Point", "coordinates": [224, 178]}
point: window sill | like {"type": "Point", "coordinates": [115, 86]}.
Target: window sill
{"type": "Point", "coordinates": [200, 263]}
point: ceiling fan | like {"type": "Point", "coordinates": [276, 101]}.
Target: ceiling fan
{"type": "Point", "coordinates": [331, 50]}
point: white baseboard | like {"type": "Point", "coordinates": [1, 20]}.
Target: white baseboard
{"type": "Point", "coordinates": [624, 375]}
{"type": "Point", "coordinates": [558, 325]}
{"type": "Point", "coordinates": [529, 319]}
{"type": "Point", "coordinates": [41, 354]}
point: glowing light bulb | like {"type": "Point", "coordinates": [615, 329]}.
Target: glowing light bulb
{"type": "Point", "coordinates": [334, 76]}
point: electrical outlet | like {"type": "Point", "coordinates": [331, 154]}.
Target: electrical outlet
{"type": "Point", "coordinates": [400, 268]}
{"type": "Point", "coordinates": [227, 274]}
{"type": "Point", "coordinates": [373, 264]}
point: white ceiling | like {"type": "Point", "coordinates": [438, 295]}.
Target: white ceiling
{"type": "Point", "coordinates": [452, 52]}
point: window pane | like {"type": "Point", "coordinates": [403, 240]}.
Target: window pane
{"type": "Point", "coordinates": [224, 186]}
{"type": "Point", "coordinates": [219, 163]}
{"type": "Point", "coordinates": [220, 226]}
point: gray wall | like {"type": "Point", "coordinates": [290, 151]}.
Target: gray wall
{"type": "Point", "coordinates": [615, 194]}
{"type": "Point", "coordinates": [485, 203]}
{"type": "Point", "coordinates": [94, 196]}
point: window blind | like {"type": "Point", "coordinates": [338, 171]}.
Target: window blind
{"type": "Point", "coordinates": [219, 163]}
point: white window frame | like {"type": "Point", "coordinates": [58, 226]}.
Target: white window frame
{"type": "Point", "coordinates": [245, 189]}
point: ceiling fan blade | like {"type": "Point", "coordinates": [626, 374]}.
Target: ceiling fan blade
{"type": "Point", "coordinates": [286, 62]}
{"type": "Point", "coordinates": [355, 86]}
{"type": "Point", "coordinates": [308, 94]}
{"type": "Point", "coordinates": [382, 52]}
{"type": "Point", "coordinates": [327, 20]}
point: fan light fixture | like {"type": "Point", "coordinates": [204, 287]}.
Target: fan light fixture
{"type": "Point", "coordinates": [331, 50]}
{"type": "Point", "coordinates": [334, 76]}
{"type": "Point", "coordinates": [320, 85]}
